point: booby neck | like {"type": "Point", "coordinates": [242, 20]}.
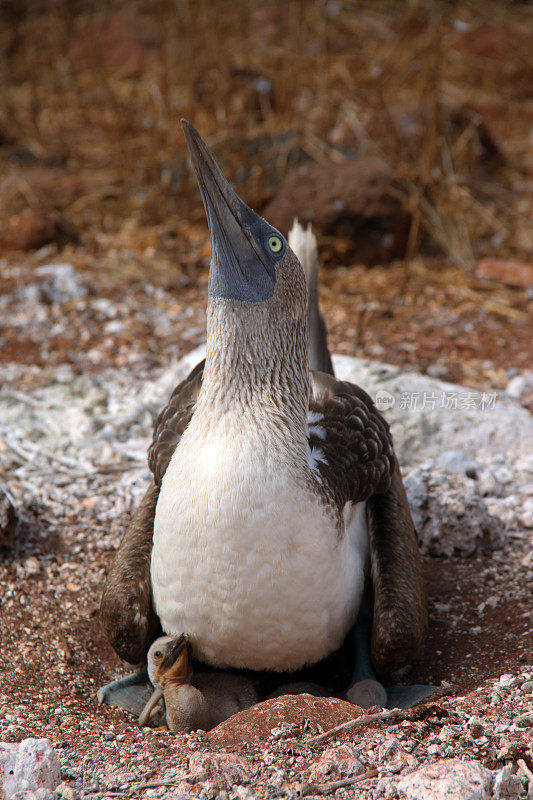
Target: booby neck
{"type": "Point", "coordinates": [257, 372]}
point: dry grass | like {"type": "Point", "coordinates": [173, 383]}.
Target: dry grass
{"type": "Point", "coordinates": [440, 90]}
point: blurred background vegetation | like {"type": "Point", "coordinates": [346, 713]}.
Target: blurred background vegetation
{"type": "Point", "coordinates": [402, 129]}
{"type": "Point", "coordinates": [441, 91]}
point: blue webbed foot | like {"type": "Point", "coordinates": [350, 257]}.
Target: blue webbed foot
{"type": "Point", "coordinates": [365, 690]}
{"type": "Point", "coordinates": [407, 696]}
{"type": "Point", "coordinates": [130, 693]}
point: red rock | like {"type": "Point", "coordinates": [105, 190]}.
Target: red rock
{"type": "Point", "coordinates": [256, 723]}
{"type": "Point", "coordinates": [357, 199]}
{"type": "Point", "coordinates": [514, 273]}
{"type": "Point", "coordinates": [30, 229]}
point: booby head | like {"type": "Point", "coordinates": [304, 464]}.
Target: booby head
{"type": "Point", "coordinates": [253, 269]}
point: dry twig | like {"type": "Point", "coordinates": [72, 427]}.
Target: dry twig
{"type": "Point", "coordinates": [524, 769]}
{"type": "Point", "coordinates": [131, 791]}
{"type": "Point", "coordinates": [364, 719]}
{"type": "Point", "coordinates": [379, 716]}
{"type": "Point", "coordinates": [332, 786]}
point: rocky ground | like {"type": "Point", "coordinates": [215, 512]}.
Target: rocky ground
{"type": "Point", "coordinates": [73, 437]}
{"type": "Point", "coordinates": [403, 133]}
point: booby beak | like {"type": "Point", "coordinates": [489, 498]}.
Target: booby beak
{"type": "Point", "coordinates": [244, 248]}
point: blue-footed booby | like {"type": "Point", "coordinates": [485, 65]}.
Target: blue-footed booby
{"type": "Point", "coordinates": [277, 522]}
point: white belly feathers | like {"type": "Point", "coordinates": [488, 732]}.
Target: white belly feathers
{"type": "Point", "coordinates": [248, 562]}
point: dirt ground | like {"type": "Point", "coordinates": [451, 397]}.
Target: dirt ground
{"type": "Point", "coordinates": [93, 174]}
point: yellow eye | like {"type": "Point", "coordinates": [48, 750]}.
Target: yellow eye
{"type": "Point", "coordinates": [275, 243]}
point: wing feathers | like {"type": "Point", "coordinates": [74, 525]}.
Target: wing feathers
{"type": "Point", "coordinates": [356, 441]}
{"type": "Point", "coordinates": [172, 421]}
{"type": "Point", "coordinates": [400, 614]}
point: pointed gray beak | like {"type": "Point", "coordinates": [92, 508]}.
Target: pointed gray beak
{"type": "Point", "coordinates": [242, 265]}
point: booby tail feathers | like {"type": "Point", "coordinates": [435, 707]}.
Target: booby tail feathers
{"type": "Point", "coordinates": [302, 242]}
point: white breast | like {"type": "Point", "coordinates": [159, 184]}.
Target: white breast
{"type": "Point", "coordinates": [247, 561]}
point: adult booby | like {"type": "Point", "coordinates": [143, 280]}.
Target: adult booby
{"type": "Point", "coordinates": [276, 495]}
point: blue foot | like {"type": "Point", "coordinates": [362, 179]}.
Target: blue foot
{"type": "Point", "coordinates": [365, 690]}
{"type": "Point", "coordinates": [130, 693]}
{"type": "Point", "coordinates": [407, 696]}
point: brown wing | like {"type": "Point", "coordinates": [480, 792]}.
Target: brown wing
{"type": "Point", "coordinates": [126, 611]}
{"type": "Point", "coordinates": [172, 421]}
{"type": "Point", "coordinates": [359, 464]}
{"type": "Point", "coordinates": [356, 457]}
{"type": "Point", "coordinates": [400, 610]}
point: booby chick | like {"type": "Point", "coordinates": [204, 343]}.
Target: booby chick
{"type": "Point", "coordinates": [277, 523]}
{"type": "Point", "coordinates": [192, 702]}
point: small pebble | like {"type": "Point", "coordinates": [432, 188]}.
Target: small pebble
{"type": "Point", "coordinates": [508, 681]}
{"type": "Point", "coordinates": [32, 566]}
{"type": "Point", "coordinates": [475, 727]}
{"type": "Point", "coordinates": [524, 720]}
{"type": "Point", "coordinates": [506, 785]}
{"type": "Point", "coordinates": [66, 792]}
{"type": "Point", "coordinates": [516, 387]}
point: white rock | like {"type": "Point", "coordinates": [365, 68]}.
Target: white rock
{"type": "Point", "coordinates": [524, 720]}
{"type": "Point", "coordinates": [243, 793]}
{"type": "Point", "coordinates": [32, 566]}
{"type": "Point", "coordinates": [517, 386]}
{"type": "Point", "coordinates": [446, 779]}
{"type": "Point", "coordinates": [508, 680]}
{"type": "Point", "coordinates": [60, 283]}
{"type": "Point", "coordinates": [66, 792]}
{"type": "Point", "coordinates": [525, 515]}
{"type": "Point", "coordinates": [334, 763]}
{"type": "Point", "coordinates": [479, 426]}
{"type": "Point", "coordinates": [449, 514]}
{"type": "Point", "coordinates": [384, 788]}
{"type": "Point", "coordinates": [31, 765]}
{"type": "Point", "coordinates": [457, 461]}
{"type": "Point", "coordinates": [506, 784]}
